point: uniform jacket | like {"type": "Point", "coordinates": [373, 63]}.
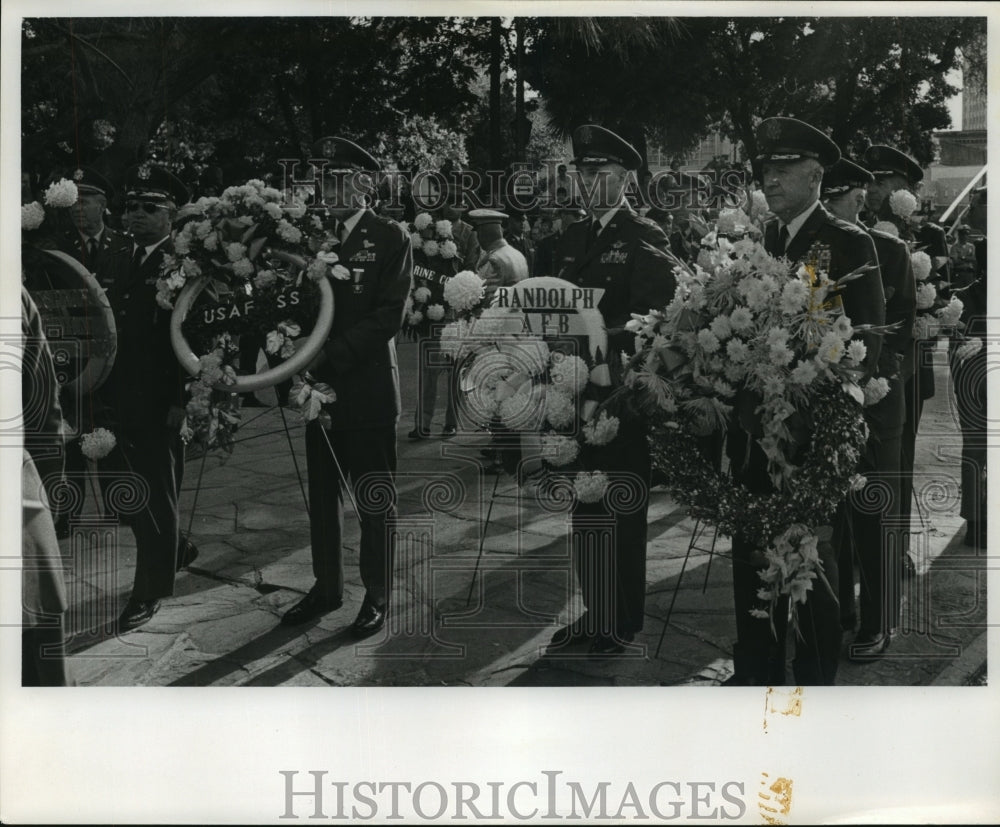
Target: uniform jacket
{"type": "Point", "coordinates": [850, 247]}
{"type": "Point", "coordinates": [502, 266]}
{"type": "Point", "coordinates": [360, 354]}
{"type": "Point", "coordinates": [147, 379]}
{"type": "Point", "coordinates": [548, 254]}
{"type": "Point", "coordinates": [43, 589]}
{"type": "Point", "coordinates": [628, 261]}
{"type": "Point", "coordinates": [468, 244]}
{"type": "Point", "coordinates": [111, 243]}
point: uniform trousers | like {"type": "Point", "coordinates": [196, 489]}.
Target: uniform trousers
{"type": "Point", "coordinates": [370, 451]}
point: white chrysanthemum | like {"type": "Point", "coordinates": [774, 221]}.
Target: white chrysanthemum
{"type": "Point", "coordinates": [32, 216]}
{"type": "Point", "coordinates": [732, 222]}
{"type": "Point", "coordinates": [235, 251]}
{"type": "Point", "coordinates": [721, 327]}
{"type": "Point", "coordinates": [265, 278]}
{"type": "Point", "coordinates": [856, 351]}
{"type": "Point", "coordinates": [922, 265]}
{"type": "Point", "coordinates": [602, 430]}
{"type": "Point", "coordinates": [519, 410]}
{"type": "Point", "coordinates": [463, 291]}
{"type": "Point", "coordinates": [590, 486]}
{"type": "Point", "coordinates": [435, 312]}
{"type": "Point", "coordinates": [741, 319]}
{"type": "Point", "coordinates": [431, 247]}
{"type": "Point", "coordinates": [448, 249]}
{"type": "Point", "coordinates": [443, 228]}
{"type": "Point", "coordinates": [794, 297]}
{"type": "Point", "coordinates": [243, 268]}
{"type": "Point", "coordinates": [423, 221]}
{"type": "Point", "coordinates": [416, 241]}
{"type": "Point", "coordinates": [211, 242]}
{"type": "Point", "coordinates": [831, 349]}
{"type": "Point", "coordinates": [421, 295]}
{"type": "Point", "coordinates": [887, 227]}
{"type": "Point", "coordinates": [559, 450]}
{"type": "Point", "coordinates": [559, 408]}
{"type": "Point", "coordinates": [781, 355]}
{"type": "Point", "coordinates": [297, 209]}
{"type": "Point", "coordinates": [875, 390]}
{"type": "Point", "coordinates": [568, 374]}
{"type": "Point", "coordinates": [926, 294]}
{"type": "Point", "coordinates": [273, 210]}
{"type": "Point", "coordinates": [708, 341]}
{"type": "Point", "coordinates": [416, 317]}
{"type": "Point", "coordinates": [842, 326]}
{"type": "Point", "coordinates": [951, 313]}
{"type": "Point", "coordinates": [288, 232]}
{"type": "Point", "coordinates": [903, 203]}
{"type": "Point", "coordinates": [803, 373]}
{"type": "Point", "coordinates": [97, 444]}
{"type": "Point", "coordinates": [737, 351]}
{"type": "Point", "coordinates": [61, 193]}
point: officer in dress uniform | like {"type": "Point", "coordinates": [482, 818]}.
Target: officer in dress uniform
{"type": "Point", "coordinates": [548, 253]}
{"type": "Point", "coordinates": [91, 242]}
{"type": "Point", "coordinates": [894, 170]}
{"type": "Point", "coordinates": [873, 533]}
{"type": "Point", "coordinates": [623, 254]}
{"type": "Point", "coordinates": [792, 158]}
{"type": "Point", "coordinates": [500, 264]}
{"type": "Point", "coordinates": [358, 360]}
{"type": "Point", "coordinates": [144, 394]}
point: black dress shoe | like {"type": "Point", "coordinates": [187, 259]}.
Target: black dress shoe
{"type": "Point", "coordinates": [136, 613]}
{"type": "Point", "coordinates": [415, 435]}
{"type": "Point", "coordinates": [448, 433]}
{"type": "Point", "coordinates": [610, 644]}
{"type": "Point", "coordinates": [311, 606]}
{"type": "Point", "coordinates": [570, 635]}
{"type": "Point", "coordinates": [868, 646]}
{"type": "Point", "coordinates": [187, 553]}
{"type": "Point", "coordinates": [370, 619]}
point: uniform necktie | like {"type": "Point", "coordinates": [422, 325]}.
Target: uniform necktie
{"type": "Point", "coordinates": [592, 231]}
{"type": "Point", "coordinates": [137, 257]}
{"type": "Point", "coordinates": [91, 248]}
{"type": "Point", "coordinates": [783, 236]}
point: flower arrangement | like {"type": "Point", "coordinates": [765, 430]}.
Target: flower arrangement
{"type": "Point", "coordinates": [435, 263]}
{"type": "Point", "coordinates": [58, 195]}
{"type": "Point", "coordinates": [748, 339]}
{"type": "Point", "coordinates": [240, 243]}
{"type": "Point", "coordinates": [97, 444]}
{"type": "Point", "coordinates": [934, 314]}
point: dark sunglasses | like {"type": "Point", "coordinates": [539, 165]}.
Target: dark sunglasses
{"type": "Point", "coordinates": [145, 206]}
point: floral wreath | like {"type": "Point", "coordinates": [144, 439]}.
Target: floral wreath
{"type": "Point", "coordinates": [248, 244]}
{"type": "Point", "coordinates": [426, 305]}
{"type": "Point", "coordinates": [749, 338]}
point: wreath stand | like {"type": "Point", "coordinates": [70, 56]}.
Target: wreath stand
{"type": "Point", "coordinates": [248, 383]}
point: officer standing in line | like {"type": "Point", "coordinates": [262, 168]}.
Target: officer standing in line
{"type": "Point", "coordinates": [358, 361]}
{"type": "Point", "coordinates": [500, 264]}
{"type": "Point", "coordinates": [894, 170]}
{"type": "Point", "coordinates": [623, 254]}
{"type": "Point", "coordinates": [874, 540]}
{"type": "Point", "coordinates": [792, 158]}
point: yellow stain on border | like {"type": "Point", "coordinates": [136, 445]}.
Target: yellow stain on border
{"type": "Point", "coordinates": [775, 800]}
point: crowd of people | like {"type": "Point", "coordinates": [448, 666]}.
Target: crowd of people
{"type": "Point", "coordinates": [814, 195]}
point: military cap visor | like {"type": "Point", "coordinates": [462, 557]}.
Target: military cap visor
{"type": "Point", "coordinates": [344, 154]}
{"type": "Point", "coordinates": [884, 161]}
{"type": "Point", "coordinates": [788, 139]}
{"type": "Point", "coordinates": [482, 217]}
{"type": "Point", "coordinates": [596, 145]}
{"type": "Point", "coordinates": [90, 180]}
{"type": "Point", "coordinates": [844, 176]}
{"type": "Point", "coordinates": [156, 185]}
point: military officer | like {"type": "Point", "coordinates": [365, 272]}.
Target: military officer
{"type": "Point", "coordinates": [873, 532]}
{"type": "Point", "coordinates": [500, 264]}
{"type": "Point", "coordinates": [359, 362]}
{"type": "Point", "coordinates": [548, 255]}
{"type": "Point", "coordinates": [791, 160]}
{"type": "Point", "coordinates": [623, 254]}
{"type": "Point", "coordinates": [91, 242]}
{"type": "Point", "coordinates": [144, 394]}
{"type": "Point", "coordinates": [894, 170]}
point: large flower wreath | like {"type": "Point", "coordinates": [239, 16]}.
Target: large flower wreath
{"type": "Point", "coordinates": [751, 338]}
{"type": "Point", "coordinates": [435, 263]}
{"type": "Point", "coordinates": [262, 259]}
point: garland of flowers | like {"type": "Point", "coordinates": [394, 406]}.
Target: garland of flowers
{"type": "Point", "coordinates": [426, 305]}
{"type": "Point", "coordinates": [230, 240]}
{"type": "Point", "coordinates": [747, 338]}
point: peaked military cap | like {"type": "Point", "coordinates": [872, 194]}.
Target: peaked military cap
{"type": "Point", "coordinates": [843, 176]}
{"type": "Point", "coordinates": [480, 217]}
{"type": "Point", "coordinates": [90, 180]}
{"type": "Point", "coordinates": [344, 154]}
{"type": "Point", "coordinates": [789, 139]}
{"type": "Point", "coordinates": [882, 160]}
{"type": "Point", "coordinates": [151, 183]}
{"type": "Point", "coordinates": [596, 145]}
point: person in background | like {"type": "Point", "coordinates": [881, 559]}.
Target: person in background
{"type": "Point", "coordinates": [548, 251]}
{"type": "Point", "coordinates": [520, 240]}
{"type": "Point", "coordinates": [963, 260]}
{"type": "Point", "coordinates": [500, 263]}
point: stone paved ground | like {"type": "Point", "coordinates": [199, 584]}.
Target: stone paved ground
{"type": "Point", "coordinates": [470, 608]}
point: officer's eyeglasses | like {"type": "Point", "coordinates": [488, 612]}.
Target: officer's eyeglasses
{"type": "Point", "coordinates": [145, 206]}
